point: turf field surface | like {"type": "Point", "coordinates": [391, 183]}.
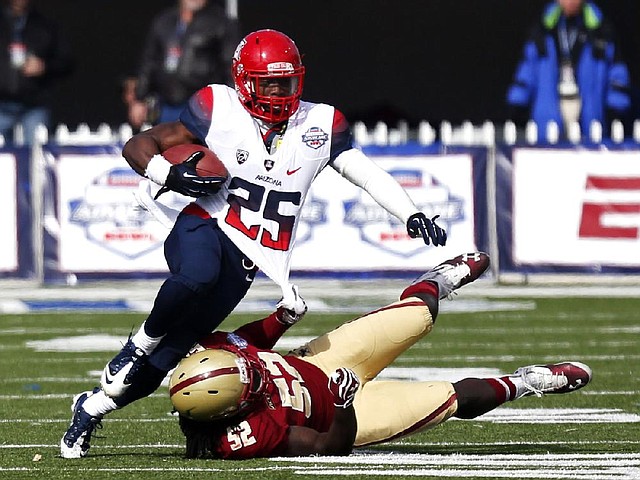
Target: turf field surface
{"type": "Point", "coordinates": [592, 434]}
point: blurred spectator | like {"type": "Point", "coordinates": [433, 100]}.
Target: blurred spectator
{"type": "Point", "coordinates": [571, 70]}
{"type": "Point", "coordinates": [188, 47]}
{"type": "Point", "coordinates": [32, 55]}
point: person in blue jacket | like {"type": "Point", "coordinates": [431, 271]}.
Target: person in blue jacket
{"type": "Point", "coordinates": [571, 71]}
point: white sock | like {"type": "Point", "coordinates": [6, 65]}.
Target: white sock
{"type": "Point", "coordinates": [508, 388]}
{"type": "Point", "coordinates": [144, 342]}
{"type": "Point", "coordinates": [98, 405]}
{"type": "Point", "coordinates": [517, 382]}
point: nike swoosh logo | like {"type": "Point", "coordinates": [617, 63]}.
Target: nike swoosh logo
{"type": "Point", "coordinates": [291, 172]}
{"type": "Point", "coordinates": [107, 378]}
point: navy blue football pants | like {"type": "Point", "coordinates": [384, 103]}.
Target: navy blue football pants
{"type": "Point", "coordinates": [209, 277]}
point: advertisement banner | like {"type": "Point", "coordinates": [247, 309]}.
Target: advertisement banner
{"type": "Point", "coordinates": [343, 229]}
{"type": "Point", "coordinates": [576, 207]}
{"type": "Point", "coordinates": [100, 230]}
{"type": "Point", "coordinates": [100, 227]}
{"type": "Point", "coordinates": [8, 212]}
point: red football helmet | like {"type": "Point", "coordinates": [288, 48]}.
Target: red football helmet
{"type": "Point", "coordinates": [268, 74]}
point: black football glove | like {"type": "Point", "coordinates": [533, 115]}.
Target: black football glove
{"type": "Point", "coordinates": [419, 225]}
{"type": "Point", "coordinates": [184, 179]}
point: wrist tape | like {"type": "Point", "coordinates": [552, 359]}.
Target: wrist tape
{"type": "Point", "coordinates": [158, 169]}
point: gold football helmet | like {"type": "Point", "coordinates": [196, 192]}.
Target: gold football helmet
{"type": "Point", "coordinates": [212, 384]}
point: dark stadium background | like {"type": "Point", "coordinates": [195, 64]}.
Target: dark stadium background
{"type": "Point", "coordinates": [376, 60]}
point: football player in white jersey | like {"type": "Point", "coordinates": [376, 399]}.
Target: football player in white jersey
{"type": "Point", "coordinates": [273, 145]}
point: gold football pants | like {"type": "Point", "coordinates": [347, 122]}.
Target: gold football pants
{"type": "Point", "coordinates": [385, 410]}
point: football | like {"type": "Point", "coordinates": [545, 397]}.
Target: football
{"type": "Point", "coordinates": [208, 166]}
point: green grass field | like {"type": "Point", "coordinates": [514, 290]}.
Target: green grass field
{"type": "Point", "coordinates": [595, 434]}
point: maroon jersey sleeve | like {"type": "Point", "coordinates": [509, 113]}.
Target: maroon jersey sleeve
{"type": "Point", "coordinates": [263, 333]}
{"type": "Point", "coordinates": [257, 435]}
{"type": "Point", "coordinates": [214, 340]}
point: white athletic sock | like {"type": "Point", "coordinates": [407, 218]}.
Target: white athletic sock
{"type": "Point", "coordinates": [98, 405]}
{"type": "Point", "coordinates": [508, 388]}
{"type": "Point", "coordinates": [144, 342]}
{"type": "Point", "coordinates": [517, 382]}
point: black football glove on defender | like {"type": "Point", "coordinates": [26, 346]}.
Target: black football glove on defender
{"type": "Point", "coordinates": [419, 225]}
{"type": "Point", "coordinates": [184, 179]}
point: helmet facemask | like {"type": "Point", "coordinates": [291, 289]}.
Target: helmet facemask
{"type": "Point", "coordinates": [274, 98]}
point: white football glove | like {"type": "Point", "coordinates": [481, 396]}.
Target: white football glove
{"type": "Point", "coordinates": [291, 307]}
{"type": "Point", "coordinates": [344, 384]}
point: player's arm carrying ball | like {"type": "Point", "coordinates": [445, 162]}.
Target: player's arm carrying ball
{"type": "Point", "coordinates": [150, 154]}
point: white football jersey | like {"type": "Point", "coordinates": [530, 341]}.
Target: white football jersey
{"type": "Point", "coordinates": [259, 205]}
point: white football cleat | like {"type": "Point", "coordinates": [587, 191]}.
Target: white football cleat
{"type": "Point", "coordinates": [454, 273]}
{"type": "Point", "coordinates": [77, 439]}
{"type": "Point", "coordinates": [562, 377]}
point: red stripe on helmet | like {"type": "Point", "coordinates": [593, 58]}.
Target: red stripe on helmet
{"type": "Point", "coordinates": [203, 376]}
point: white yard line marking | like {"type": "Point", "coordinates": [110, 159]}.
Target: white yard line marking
{"type": "Point", "coordinates": [49, 396]}
{"type": "Point", "coordinates": [554, 473]}
{"type": "Point", "coordinates": [363, 452]}
{"type": "Point", "coordinates": [368, 458]}
{"type": "Point", "coordinates": [558, 415]}
{"type": "Point", "coordinates": [44, 379]}
{"type": "Point", "coordinates": [79, 343]}
{"type": "Point", "coordinates": [121, 447]}
{"type": "Point", "coordinates": [399, 443]}
{"type": "Point", "coordinates": [549, 466]}
{"type": "Point", "coordinates": [508, 358]}
{"type": "Point", "coordinates": [544, 466]}
{"type": "Point", "coordinates": [509, 329]}
{"type": "Point", "coordinates": [605, 392]}
{"type": "Point", "coordinates": [578, 466]}
{"type": "Point", "coordinates": [503, 444]}
{"type": "Point", "coordinates": [428, 374]}
{"type": "Point", "coordinates": [499, 415]}
{"type": "Point", "coordinates": [36, 421]}
{"type": "Point", "coordinates": [38, 361]}
{"type": "Point", "coordinates": [35, 397]}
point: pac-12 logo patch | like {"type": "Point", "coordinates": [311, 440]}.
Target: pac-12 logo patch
{"type": "Point", "coordinates": [242, 156]}
{"type": "Point", "coordinates": [315, 138]}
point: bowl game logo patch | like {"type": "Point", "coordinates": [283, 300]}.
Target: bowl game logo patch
{"type": "Point", "coordinates": [315, 138]}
